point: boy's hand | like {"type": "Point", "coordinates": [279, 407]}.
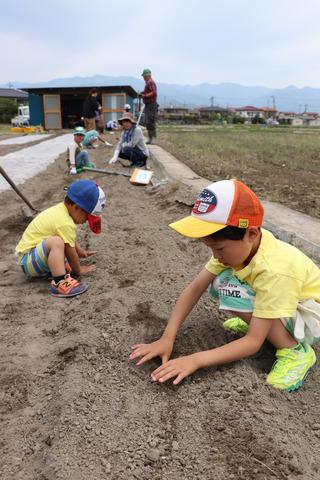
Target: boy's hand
{"type": "Point", "coordinates": [161, 348]}
{"type": "Point", "coordinates": [85, 269]}
{"type": "Point", "coordinates": [179, 368]}
{"type": "Point", "coordinates": [86, 253]}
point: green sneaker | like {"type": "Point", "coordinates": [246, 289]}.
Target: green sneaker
{"type": "Point", "coordinates": [236, 325]}
{"type": "Point", "coordinates": [291, 367]}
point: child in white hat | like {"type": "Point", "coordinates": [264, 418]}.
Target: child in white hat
{"type": "Point", "coordinates": [272, 287]}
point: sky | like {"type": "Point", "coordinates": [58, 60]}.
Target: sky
{"type": "Point", "coordinates": [274, 43]}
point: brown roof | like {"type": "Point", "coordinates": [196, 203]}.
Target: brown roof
{"type": "Point", "coordinates": [249, 108]}
{"type": "Point", "coordinates": [268, 109]}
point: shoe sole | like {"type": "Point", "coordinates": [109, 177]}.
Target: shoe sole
{"type": "Point", "coordinates": [61, 295]}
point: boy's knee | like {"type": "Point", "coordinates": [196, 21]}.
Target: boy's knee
{"type": "Point", "coordinates": [54, 242]}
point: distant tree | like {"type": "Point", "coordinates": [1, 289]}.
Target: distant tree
{"type": "Point", "coordinates": [214, 116]}
{"type": "Point", "coordinates": [257, 119]}
{"type": "Point", "coordinates": [8, 109]}
{"type": "Point", "coordinates": [238, 119]}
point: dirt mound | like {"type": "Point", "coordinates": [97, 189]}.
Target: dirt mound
{"type": "Point", "coordinates": [73, 407]}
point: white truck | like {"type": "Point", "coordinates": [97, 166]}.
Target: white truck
{"type": "Point", "coordinates": [23, 117]}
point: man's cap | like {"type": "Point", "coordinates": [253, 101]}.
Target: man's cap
{"type": "Point", "coordinates": [127, 116]}
{"type": "Point", "coordinates": [146, 71]}
{"type": "Point", "coordinates": [91, 198]}
{"type": "Point", "coordinates": [79, 131]}
{"type": "Point", "coordinates": [221, 204]}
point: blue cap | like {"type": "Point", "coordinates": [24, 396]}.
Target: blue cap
{"type": "Point", "coordinates": [88, 196]}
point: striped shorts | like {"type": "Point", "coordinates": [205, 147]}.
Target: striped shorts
{"type": "Point", "coordinates": [35, 262]}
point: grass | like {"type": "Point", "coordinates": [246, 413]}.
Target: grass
{"type": "Point", "coordinates": [280, 164]}
{"type": "Point", "coordinates": [5, 128]}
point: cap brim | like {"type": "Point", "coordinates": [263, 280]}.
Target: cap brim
{"type": "Point", "coordinates": [94, 223]}
{"type": "Point", "coordinates": [194, 228]}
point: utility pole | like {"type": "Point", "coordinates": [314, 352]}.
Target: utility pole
{"type": "Point", "coordinates": [273, 102]}
{"type": "Point", "coordinates": [211, 101]}
{"type": "Point", "coordinates": [305, 108]}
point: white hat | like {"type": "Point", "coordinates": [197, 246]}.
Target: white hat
{"type": "Point", "coordinates": [223, 203]}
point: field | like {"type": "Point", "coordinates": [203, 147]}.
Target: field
{"type": "Point", "coordinates": [280, 164]}
{"type": "Point", "coordinates": [72, 407]}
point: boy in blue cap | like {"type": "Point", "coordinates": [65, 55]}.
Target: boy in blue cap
{"type": "Point", "coordinates": [51, 238]}
{"type": "Point", "coordinates": [77, 156]}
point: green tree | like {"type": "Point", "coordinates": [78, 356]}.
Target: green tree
{"type": "Point", "coordinates": [8, 109]}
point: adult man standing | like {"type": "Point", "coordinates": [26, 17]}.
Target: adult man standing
{"type": "Point", "coordinates": [90, 108]}
{"type": "Point", "coordinates": [149, 96]}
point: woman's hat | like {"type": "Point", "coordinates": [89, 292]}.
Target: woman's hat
{"type": "Point", "coordinates": [127, 116]}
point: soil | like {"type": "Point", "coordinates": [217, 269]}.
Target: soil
{"type": "Point", "coordinates": [73, 407]}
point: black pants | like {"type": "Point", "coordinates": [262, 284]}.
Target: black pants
{"type": "Point", "coordinates": [135, 155]}
{"type": "Point", "coordinates": [151, 113]}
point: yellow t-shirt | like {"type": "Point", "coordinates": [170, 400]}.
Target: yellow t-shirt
{"type": "Point", "coordinates": [280, 275]}
{"type": "Point", "coordinates": [54, 221]}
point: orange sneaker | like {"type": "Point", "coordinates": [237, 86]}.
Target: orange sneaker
{"type": "Point", "coordinates": [67, 287]}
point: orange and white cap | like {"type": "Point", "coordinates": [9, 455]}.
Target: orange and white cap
{"type": "Point", "coordinates": [221, 204]}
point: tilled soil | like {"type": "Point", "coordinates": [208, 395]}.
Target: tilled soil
{"type": "Point", "coordinates": [73, 407]}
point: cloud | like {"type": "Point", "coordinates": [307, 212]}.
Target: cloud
{"type": "Point", "coordinates": [186, 42]}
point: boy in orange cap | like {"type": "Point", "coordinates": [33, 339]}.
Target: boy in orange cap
{"type": "Point", "coordinates": [272, 287]}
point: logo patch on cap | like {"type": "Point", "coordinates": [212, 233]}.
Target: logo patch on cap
{"type": "Point", "coordinates": [206, 203]}
{"type": "Point", "coordinates": [243, 223]}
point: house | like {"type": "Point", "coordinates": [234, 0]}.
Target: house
{"type": "Point", "coordinates": [310, 119]}
{"type": "Point", "coordinates": [249, 112]}
{"type": "Point", "coordinates": [14, 94]}
{"type": "Point", "coordinates": [269, 112]}
{"type": "Point", "coordinates": [290, 118]}
{"type": "Point", "coordinates": [61, 107]}
{"type": "Point", "coordinates": [179, 115]}
{"type": "Point", "coordinates": [205, 113]}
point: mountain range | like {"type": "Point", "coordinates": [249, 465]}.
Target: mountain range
{"type": "Point", "coordinates": [290, 98]}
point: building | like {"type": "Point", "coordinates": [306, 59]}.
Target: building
{"type": "Point", "coordinates": [269, 112]}
{"type": "Point", "coordinates": [310, 119]}
{"type": "Point", "coordinates": [249, 112]}
{"type": "Point", "coordinates": [178, 115]}
{"type": "Point", "coordinates": [61, 107]}
{"type": "Point", "coordinates": [14, 94]}
{"type": "Point", "coordinates": [290, 118]}
{"type": "Point", "coordinates": [205, 113]}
